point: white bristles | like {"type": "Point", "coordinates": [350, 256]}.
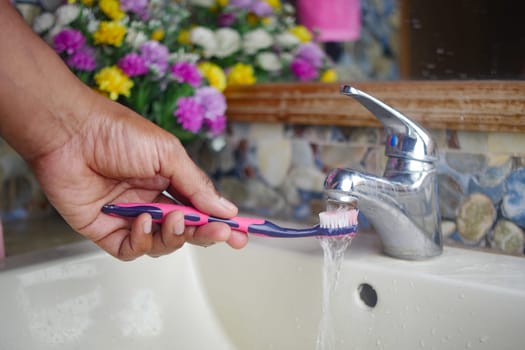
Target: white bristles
{"type": "Point", "coordinates": [338, 219]}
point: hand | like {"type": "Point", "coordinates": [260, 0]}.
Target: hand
{"type": "Point", "coordinates": [114, 155]}
{"type": "Point", "coordinates": [88, 151]}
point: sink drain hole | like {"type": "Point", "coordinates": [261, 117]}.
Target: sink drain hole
{"type": "Point", "coordinates": [367, 294]}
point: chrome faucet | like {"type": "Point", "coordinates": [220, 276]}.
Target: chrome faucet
{"type": "Point", "coordinates": [402, 205]}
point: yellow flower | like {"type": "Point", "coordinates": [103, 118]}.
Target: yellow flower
{"type": "Point", "coordinates": [214, 74]}
{"type": "Point", "coordinates": [274, 4]}
{"type": "Point", "coordinates": [222, 3]}
{"type": "Point", "coordinates": [88, 3]}
{"type": "Point", "coordinates": [111, 8]}
{"type": "Point", "coordinates": [241, 74]}
{"type": "Point", "coordinates": [302, 33]}
{"type": "Point", "coordinates": [329, 76]}
{"type": "Point", "coordinates": [158, 34]}
{"type": "Point", "coordinates": [114, 82]}
{"type": "Point", "coordinates": [184, 37]}
{"type": "Point", "coordinates": [110, 33]}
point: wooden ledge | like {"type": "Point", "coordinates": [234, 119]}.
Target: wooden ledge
{"type": "Point", "coordinates": [455, 105]}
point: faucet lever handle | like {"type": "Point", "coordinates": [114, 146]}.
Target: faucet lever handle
{"type": "Point", "coordinates": [404, 138]}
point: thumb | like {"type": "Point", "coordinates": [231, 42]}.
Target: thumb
{"type": "Point", "coordinates": [188, 180]}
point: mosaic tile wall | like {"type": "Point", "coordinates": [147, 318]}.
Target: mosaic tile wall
{"type": "Point", "coordinates": [276, 170]}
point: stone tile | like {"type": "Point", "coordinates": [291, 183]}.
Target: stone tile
{"type": "Point", "coordinates": [343, 156]}
{"type": "Point", "coordinates": [511, 143]}
{"type": "Point", "coordinates": [472, 141]}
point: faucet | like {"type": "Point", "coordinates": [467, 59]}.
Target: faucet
{"type": "Point", "coordinates": [402, 205]}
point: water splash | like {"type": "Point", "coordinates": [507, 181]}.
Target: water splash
{"type": "Point", "coordinates": [334, 249]}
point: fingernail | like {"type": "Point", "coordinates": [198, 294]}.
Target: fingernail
{"type": "Point", "coordinates": [179, 228]}
{"type": "Point", "coordinates": [227, 204]}
{"type": "Point", "coordinates": [147, 227]}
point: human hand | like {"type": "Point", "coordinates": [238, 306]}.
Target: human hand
{"type": "Point", "coordinates": [114, 155]}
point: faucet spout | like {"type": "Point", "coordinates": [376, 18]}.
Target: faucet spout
{"type": "Point", "coordinates": [404, 215]}
{"type": "Point", "coordinates": [402, 205]}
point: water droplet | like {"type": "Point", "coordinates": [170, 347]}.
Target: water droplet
{"type": "Point", "coordinates": [483, 339]}
{"type": "Point", "coordinates": [461, 296]}
{"type": "Point", "coordinates": [422, 343]}
{"type": "Point", "coordinates": [433, 331]}
{"type": "Point", "coordinates": [468, 345]}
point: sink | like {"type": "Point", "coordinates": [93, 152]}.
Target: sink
{"type": "Point", "coordinates": [266, 296]}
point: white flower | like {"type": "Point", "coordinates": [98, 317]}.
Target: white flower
{"type": "Point", "coordinates": [256, 40]}
{"type": "Point", "coordinates": [51, 34]}
{"type": "Point", "coordinates": [228, 42]}
{"type": "Point", "coordinates": [43, 22]}
{"type": "Point", "coordinates": [135, 38]}
{"type": "Point", "coordinates": [182, 56]}
{"type": "Point", "coordinates": [205, 38]}
{"type": "Point", "coordinates": [269, 61]}
{"type": "Point", "coordinates": [93, 25]}
{"type": "Point", "coordinates": [67, 14]}
{"type": "Point", "coordinates": [287, 40]}
{"type": "Point", "coordinates": [202, 3]}
{"type": "Point", "coordinates": [287, 57]}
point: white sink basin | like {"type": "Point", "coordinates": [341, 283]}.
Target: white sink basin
{"type": "Point", "coordinates": [267, 296]}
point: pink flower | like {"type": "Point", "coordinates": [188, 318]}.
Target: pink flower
{"type": "Point", "coordinates": [83, 59]}
{"type": "Point", "coordinates": [212, 101]}
{"type": "Point", "coordinates": [312, 53]}
{"type": "Point", "coordinates": [216, 125]}
{"type": "Point", "coordinates": [186, 72]}
{"type": "Point", "coordinates": [68, 41]}
{"type": "Point", "coordinates": [139, 7]}
{"type": "Point", "coordinates": [133, 65]}
{"type": "Point", "coordinates": [303, 70]}
{"type": "Point", "coordinates": [189, 113]}
{"type": "Point", "coordinates": [155, 55]}
{"type": "Point", "coordinates": [226, 19]}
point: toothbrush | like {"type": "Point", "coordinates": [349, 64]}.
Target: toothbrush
{"type": "Point", "coordinates": [332, 223]}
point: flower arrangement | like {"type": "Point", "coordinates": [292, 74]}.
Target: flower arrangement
{"type": "Point", "coordinates": [171, 63]}
{"type": "Point", "coordinates": [129, 50]}
{"type": "Point", "coordinates": [255, 41]}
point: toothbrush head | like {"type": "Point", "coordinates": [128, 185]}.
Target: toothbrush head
{"type": "Point", "coordinates": [339, 222]}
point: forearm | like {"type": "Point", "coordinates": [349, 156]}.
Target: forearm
{"type": "Point", "coordinates": [39, 96]}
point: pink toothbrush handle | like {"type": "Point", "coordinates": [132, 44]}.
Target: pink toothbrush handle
{"type": "Point", "coordinates": [192, 217]}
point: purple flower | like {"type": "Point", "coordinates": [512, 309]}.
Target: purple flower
{"type": "Point", "coordinates": [186, 72]}
{"type": "Point", "coordinates": [303, 69]}
{"type": "Point", "coordinates": [133, 65]}
{"type": "Point", "coordinates": [189, 113]}
{"type": "Point", "coordinates": [212, 101]}
{"type": "Point", "coordinates": [139, 7]}
{"type": "Point", "coordinates": [83, 59]}
{"type": "Point", "coordinates": [311, 53]}
{"type": "Point", "coordinates": [216, 125]}
{"type": "Point", "coordinates": [243, 4]}
{"type": "Point", "coordinates": [155, 55]}
{"type": "Point", "coordinates": [261, 9]}
{"type": "Point", "coordinates": [226, 19]}
{"type": "Point", "coordinates": [68, 40]}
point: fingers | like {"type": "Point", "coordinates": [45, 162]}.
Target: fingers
{"type": "Point", "coordinates": [147, 238]}
{"type": "Point", "coordinates": [192, 183]}
{"type": "Point", "coordinates": [216, 232]}
{"type": "Point", "coordinates": [171, 235]}
{"type": "Point", "coordinates": [139, 241]}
